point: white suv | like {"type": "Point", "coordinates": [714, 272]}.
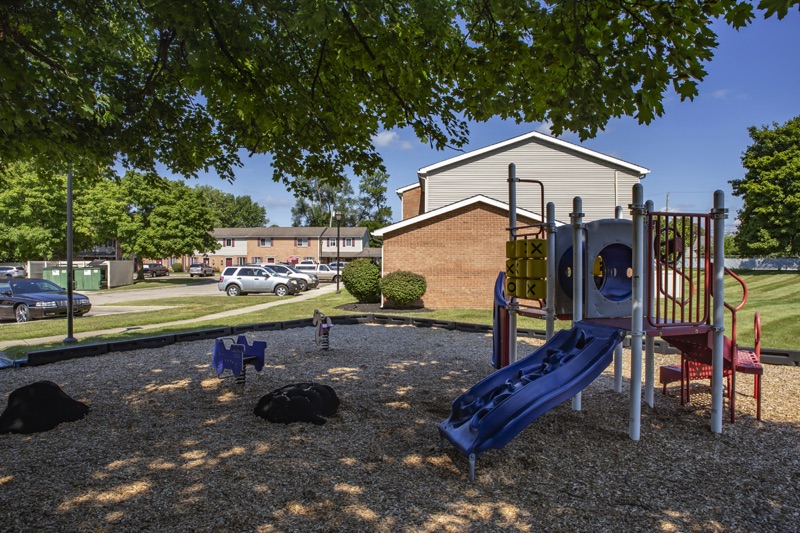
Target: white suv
{"type": "Point", "coordinates": [323, 272]}
{"type": "Point", "coordinates": [306, 280]}
{"type": "Point", "coordinates": [8, 272]}
{"type": "Point", "coordinates": [238, 281]}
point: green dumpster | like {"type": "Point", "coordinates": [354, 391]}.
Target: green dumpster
{"type": "Point", "coordinates": [57, 275]}
{"type": "Point", "coordinates": [89, 278]}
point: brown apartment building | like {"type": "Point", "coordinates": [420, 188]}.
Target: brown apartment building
{"type": "Point", "coordinates": [239, 246]}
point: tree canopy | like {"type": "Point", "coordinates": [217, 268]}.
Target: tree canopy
{"type": "Point", "coordinates": [233, 211]}
{"type": "Point", "coordinates": [189, 84]}
{"type": "Point", "coordinates": [149, 217]}
{"type": "Point", "coordinates": [768, 221]}
{"type": "Point", "coordinates": [319, 200]}
{"type": "Point", "coordinates": [369, 209]}
{"type": "Point", "coordinates": [33, 215]}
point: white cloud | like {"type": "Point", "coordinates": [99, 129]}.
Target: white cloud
{"type": "Point", "coordinates": [720, 94]}
{"type": "Point", "coordinates": [545, 127]}
{"type": "Point", "coordinates": [390, 139]}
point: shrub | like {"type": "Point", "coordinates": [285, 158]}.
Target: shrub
{"type": "Point", "coordinates": [362, 279]}
{"type": "Point", "coordinates": [177, 267]}
{"type": "Point", "coordinates": [403, 288]}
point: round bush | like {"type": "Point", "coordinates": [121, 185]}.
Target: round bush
{"type": "Point", "coordinates": [362, 279]}
{"type": "Point", "coordinates": [177, 267]}
{"type": "Point", "coordinates": [403, 288]}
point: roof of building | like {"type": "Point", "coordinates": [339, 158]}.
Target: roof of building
{"type": "Point", "coordinates": [315, 232]}
{"type": "Point", "coordinates": [452, 207]}
{"type": "Point", "coordinates": [350, 256]}
{"type": "Point", "coordinates": [534, 135]}
{"type": "Point", "coordinates": [407, 188]}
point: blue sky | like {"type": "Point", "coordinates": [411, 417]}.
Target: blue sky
{"type": "Point", "coordinates": [694, 149]}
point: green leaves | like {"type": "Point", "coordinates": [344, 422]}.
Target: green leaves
{"type": "Point", "coordinates": [187, 85]}
{"type": "Point", "coordinates": [777, 7]}
{"type": "Point", "coordinates": [768, 221]}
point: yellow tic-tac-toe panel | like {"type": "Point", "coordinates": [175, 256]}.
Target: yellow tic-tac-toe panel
{"type": "Point", "coordinates": [535, 289]}
{"type": "Point", "coordinates": [535, 248]}
{"type": "Point", "coordinates": [511, 249]}
{"type": "Point", "coordinates": [536, 268]}
{"type": "Point", "coordinates": [511, 286]}
{"type": "Point", "coordinates": [512, 269]}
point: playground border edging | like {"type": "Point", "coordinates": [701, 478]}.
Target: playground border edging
{"type": "Point", "coordinates": [42, 357]}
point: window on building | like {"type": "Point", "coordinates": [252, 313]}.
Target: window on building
{"type": "Point", "coordinates": [301, 242]}
{"type": "Point", "coordinates": [229, 242]}
{"type": "Point", "coordinates": [348, 241]}
{"type": "Point", "coordinates": [332, 242]}
{"type": "Point", "coordinates": [242, 260]}
{"type": "Point", "coordinates": [270, 260]}
{"type": "Point", "coordinates": [255, 260]}
{"type": "Point", "coordinates": [265, 242]}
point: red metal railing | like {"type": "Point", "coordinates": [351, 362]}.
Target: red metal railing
{"type": "Point", "coordinates": [679, 280]}
{"type": "Point", "coordinates": [681, 277]}
{"type": "Point", "coordinates": [735, 308]}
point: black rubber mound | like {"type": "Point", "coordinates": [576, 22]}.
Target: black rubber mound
{"type": "Point", "coordinates": [38, 407]}
{"type": "Point", "coordinates": [299, 402]}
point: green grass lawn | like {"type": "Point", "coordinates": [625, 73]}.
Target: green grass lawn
{"type": "Point", "coordinates": [774, 295]}
{"type": "Point", "coordinates": [181, 309]}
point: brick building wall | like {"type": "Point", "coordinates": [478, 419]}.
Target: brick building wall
{"type": "Point", "coordinates": [412, 203]}
{"type": "Point", "coordinates": [460, 254]}
{"type": "Point", "coordinates": [282, 250]}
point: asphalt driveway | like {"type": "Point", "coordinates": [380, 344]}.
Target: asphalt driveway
{"type": "Point", "coordinates": [200, 288]}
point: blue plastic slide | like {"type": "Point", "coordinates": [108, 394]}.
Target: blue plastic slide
{"type": "Point", "coordinates": [497, 408]}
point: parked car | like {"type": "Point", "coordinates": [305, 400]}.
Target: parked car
{"type": "Point", "coordinates": [240, 280]}
{"type": "Point", "coordinates": [307, 262]}
{"type": "Point", "coordinates": [200, 269]}
{"type": "Point", "coordinates": [305, 279]}
{"type": "Point", "coordinates": [323, 272]}
{"type": "Point", "coordinates": [155, 269]}
{"type": "Point", "coordinates": [8, 272]}
{"type": "Point", "coordinates": [28, 299]}
{"type": "Point", "coordinates": [338, 266]}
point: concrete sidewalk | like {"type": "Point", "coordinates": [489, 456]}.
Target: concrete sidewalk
{"type": "Point", "coordinates": [323, 289]}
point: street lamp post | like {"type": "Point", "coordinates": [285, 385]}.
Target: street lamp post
{"type": "Point", "coordinates": [70, 339]}
{"type": "Point", "coordinates": [338, 217]}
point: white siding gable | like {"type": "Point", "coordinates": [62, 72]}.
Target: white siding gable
{"type": "Point", "coordinates": [565, 170]}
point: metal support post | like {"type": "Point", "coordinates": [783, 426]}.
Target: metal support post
{"type": "Point", "coordinates": [577, 273]}
{"type": "Point", "coordinates": [338, 242]}
{"type": "Point", "coordinates": [719, 213]}
{"type": "Point", "coordinates": [618, 368]}
{"type": "Point", "coordinates": [512, 223]}
{"type": "Point", "coordinates": [649, 352]}
{"type": "Point", "coordinates": [637, 319]}
{"type": "Point", "coordinates": [550, 295]}
{"type": "Point", "coordinates": [70, 339]}
{"type": "Point", "coordinates": [618, 349]}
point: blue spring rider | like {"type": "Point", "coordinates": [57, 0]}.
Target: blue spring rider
{"type": "Point", "coordinates": [235, 355]}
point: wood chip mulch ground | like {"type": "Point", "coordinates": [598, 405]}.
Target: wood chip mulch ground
{"type": "Point", "coordinates": [167, 446]}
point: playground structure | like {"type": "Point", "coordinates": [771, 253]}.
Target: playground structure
{"type": "Point", "coordinates": [322, 329]}
{"type": "Point", "coordinates": [235, 354]}
{"type": "Point", "coordinates": [659, 274]}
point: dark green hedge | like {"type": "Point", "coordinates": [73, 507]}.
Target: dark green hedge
{"type": "Point", "coordinates": [362, 279]}
{"type": "Point", "coordinates": [403, 288]}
